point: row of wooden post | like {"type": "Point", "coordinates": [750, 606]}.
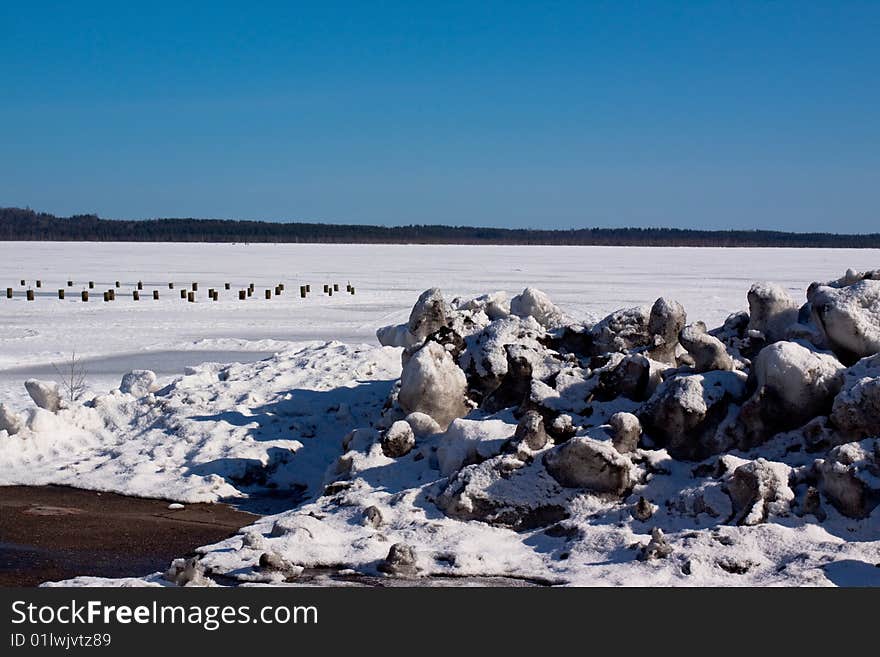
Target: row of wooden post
{"type": "Point", "coordinates": [110, 295]}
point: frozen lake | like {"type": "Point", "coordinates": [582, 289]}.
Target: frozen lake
{"type": "Point", "coordinates": [169, 334]}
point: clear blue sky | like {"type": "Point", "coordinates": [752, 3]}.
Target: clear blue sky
{"type": "Point", "coordinates": [695, 114]}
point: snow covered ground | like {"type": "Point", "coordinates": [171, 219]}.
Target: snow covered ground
{"type": "Point", "coordinates": [167, 335]}
{"type": "Point", "coordinates": [280, 426]}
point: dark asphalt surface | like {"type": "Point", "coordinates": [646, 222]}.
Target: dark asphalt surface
{"type": "Point", "coordinates": [54, 532]}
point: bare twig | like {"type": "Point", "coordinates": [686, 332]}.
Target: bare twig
{"type": "Point", "coordinates": [73, 377]}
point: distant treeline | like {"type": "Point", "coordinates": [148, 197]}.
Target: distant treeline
{"type": "Point", "coordinates": [27, 225]}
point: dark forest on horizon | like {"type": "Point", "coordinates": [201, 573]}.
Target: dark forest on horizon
{"type": "Point", "coordinates": [24, 224]}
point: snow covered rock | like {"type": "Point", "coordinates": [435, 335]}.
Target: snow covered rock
{"type": "Point", "coordinates": [856, 409]}
{"type": "Point", "coordinates": [274, 562]}
{"type": "Point", "coordinates": [794, 385]}
{"type": "Point", "coordinates": [707, 351]}
{"type": "Point", "coordinates": [633, 376]}
{"type": "Point", "coordinates": [504, 491]}
{"type": "Point", "coordinates": [687, 411]}
{"type": "Point", "coordinates": [657, 548]}
{"type": "Point", "coordinates": [401, 561]}
{"type": "Point", "coordinates": [398, 440]}
{"type": "Point", "coordinates": [622, 330]}
{"type": "Point", "coordinates": [643, 510]}
{"type": "Point", "coordinates": [10, 421]}
{"type": "Point", "coordinates": [502, 359]}
{"type": "Point", "coordinates": [396, 335]}
{"type": "Point", "coordinates": [665, 322]}
{"type": "Point", "coordinates": [46, 394]}
{"type": "Point", "coordinates": [592, 464]}
{"type": "Point", "coordinates": [471, 441]}
{"type": "Point", "coordinates": [530, 431]}
{"type": "Point", "coordinates": [138, 382]}
{"type": "Point", "coordinates": [429, 314]}
{"type": "Point", "coordinates": [495, 305]}
{"type": "Point", "coordinates": [849, 317]}
{"type": "Point", "coordinates": [772, 311]}
{"type": "Point", "coordinates": [849, 476]}
{"type": "Point", "coordinates": [188, 572]}
{"type": "Point", "coordinates": [759, 489]}
{"type": "Point", "coordinates": [373, 517]}
{"type": "Point", "coordinates": [433, 384]}
{"type": "Point", "coordinates": [534, 303]}
{"type": "Point", "coordinates": [422, 425]}
{"type": "Point", "coordinates": [625, 432]}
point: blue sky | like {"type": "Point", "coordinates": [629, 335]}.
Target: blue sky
{"type": "Point", "coordinates": [528, 114]}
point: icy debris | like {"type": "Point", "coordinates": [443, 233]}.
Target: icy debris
{"type": "Point", "coordinates": [657, 548]}
{"type": "Point", "coordinates": [856, 409]}
{"type": "Point", "coordinates": [621, 330]}
{"type": "Point", "coordinates": [625, 432]}
{"type": "Point", "coordinates": [534, 303]}
{"type": "Point", "coordinates": [433, 384]}
{"type": "Point", "coordinates": [794, 384]}
{"type": "Point", "coordinates": [373, 517]}
{"type": "Point", "coordinates": [10, 421]}
{"type": "Point", "coordinates": [592, 464]}
{"type": "Point", "coordinates": [849, 317]}
{"type": "Point", "coordinates": [687, 412]}
{"type": "Point", "coordinates": [759, 489]}
{"type": "Point", "coordinates": [643, 510]}
{"type": "Point", "coordinates": [422, 425]}
{"type": "Point", "coordinates": [772, 311]}
{"type": "Point", "coordinates": [470, 441]}
{"type": "Point", "coordinates": [665, 322]}
{"type": "Point", "coordinates": [429, 314]}
{"type": "Point", "coordinates": [401, 561]}
{"type": "Point", "coordinates": [273, 562]}
{"type": "Point", "coordinates": [188, 572]}
{"type": "Point", "coordinates": [46, 394]}
{"type": "Point", "coordinates": [398, 440]}
{"type": "Point", "coordinates": [506, 492]}
{"type": "Point", "coordinates": [396, 335]}
{"type": "Point", "coordinates": [495, 305]}
{"type": "Point", "coordinates": [850, 477]}
{"type": "Point", "coordinates": [530, 431]}
{"type": "Point", "coordinates": [138, 383]}
{"type": "Point", "coordinates": [707, 351]}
